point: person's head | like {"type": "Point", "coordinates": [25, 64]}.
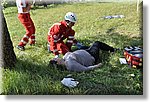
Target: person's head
{"type": "Point", "coordinates": [70, 18]}
{"type": "Point", "coordinates": [59, 61]}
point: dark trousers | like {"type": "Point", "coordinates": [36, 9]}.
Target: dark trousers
{"type": "Point", "coordinates": [96, 47]}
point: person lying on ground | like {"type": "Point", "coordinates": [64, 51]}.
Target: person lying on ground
{"type": "Point", "coordinates": [83, 60]}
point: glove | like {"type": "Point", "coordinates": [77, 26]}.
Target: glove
{"type": "Point", "coordinates": [56, 56]}
{"type": "Point", "coordinates": [69, 82]}
{"type": "Point", "coordinates": [81, 46]}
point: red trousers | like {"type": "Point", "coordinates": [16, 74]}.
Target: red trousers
{"type": "Point", "coordinates": [28, 24]}
{"type": "Point", "coordinates": [60, 46]}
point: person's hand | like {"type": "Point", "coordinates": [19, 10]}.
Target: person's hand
{"type": "Point", "coordinates": [99, 64]}
{"type": "Point", "coordinates": [79, 45]}
{"type": "Point", "coordinates": [56, 56]}
{"type": "Point", "coordinates": [60, 61]}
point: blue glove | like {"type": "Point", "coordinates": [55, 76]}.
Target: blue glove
{"type": "Point", "coordinates": [79, 45]}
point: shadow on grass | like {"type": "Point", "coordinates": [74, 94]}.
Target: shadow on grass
{"type": "Point", "coordinates": [31, 78]}
{"type": "Point", "coordinates": [118, 40]}
{"type": "Point", "coordinates": [106, 57]}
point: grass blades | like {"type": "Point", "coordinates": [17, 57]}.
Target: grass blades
{"type": "Point", "coordinates": [32, 76]}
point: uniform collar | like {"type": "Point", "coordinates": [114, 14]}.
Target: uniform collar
{"type": "Point", "coordinates": [64, 23]}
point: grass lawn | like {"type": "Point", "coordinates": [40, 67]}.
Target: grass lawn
{"type": "Point", "coordinates": [31, 75]}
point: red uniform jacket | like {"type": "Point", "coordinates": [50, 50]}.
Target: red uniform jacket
{"type": "Point", "coordinates": [59, 32]}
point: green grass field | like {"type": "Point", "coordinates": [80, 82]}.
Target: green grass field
{"type": "Point", "coordinates": [31, 75]}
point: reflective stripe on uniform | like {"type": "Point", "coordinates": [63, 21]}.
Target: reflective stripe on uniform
{"type": "Point", "coordinates": [29, 26]}
{"type": "Point", "coordinates": [25, 36]}
{"type": "Point", "coordinates": [55, 50]}
{"type": "Point", "coordinates": [55, 24]}
{"type": "Point", "coordinates": [62, 36]}
{"type": "Point", "coordinates": [33, 35]}
{"type": "Point", "coordinates": [24, 42]}
{"type": "Point", "coordinates": [69, 41]}
{"type": "Point", "coordinates": [32, 39]}
{"type": "Point", "coordinates": [60, 51]}
{"type": "Point", "coordinates": [50, 35]}
{"type": "Point", "coordinates": [49, 32]}
{"type": "Point", "coordinates": [71, 37]}
{"type": "Point", "coordinates": [58, 39]}
{"type": "Point", "coordinates": [55, 40]}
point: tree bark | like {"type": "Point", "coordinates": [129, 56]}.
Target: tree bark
{"type": "Point", "coordinates": [8, 57]}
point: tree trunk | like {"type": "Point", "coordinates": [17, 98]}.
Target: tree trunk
{"type": "Point", "coordinates": [8, 57]}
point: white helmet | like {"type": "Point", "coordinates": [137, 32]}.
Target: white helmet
{"type": "Point", "coordinates": [71, 17]}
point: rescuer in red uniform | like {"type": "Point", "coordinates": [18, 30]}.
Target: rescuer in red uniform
{"type": "Point", "coordinates": [24, 17]}
{"type": "Point", "coordinates": [61, 31]}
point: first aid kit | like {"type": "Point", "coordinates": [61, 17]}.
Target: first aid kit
{"type": "Point", "coordinates": [134, 56]}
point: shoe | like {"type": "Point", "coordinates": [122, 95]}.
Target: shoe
{"type": "Point", "coordinates": [32, 44]}
{"type": "Point", "coordinates": [116, 50]}
{"type": "Point", "coordinates": [22, 48]}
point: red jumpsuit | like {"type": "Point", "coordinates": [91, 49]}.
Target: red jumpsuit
{"type": "Point", "coordinates": [57, 33]}
{"type": "Point", "coordinates": [30, 29]}
{"type": "Point", "coordinates": [25, 19]}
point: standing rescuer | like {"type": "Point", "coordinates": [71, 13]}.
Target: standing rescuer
{"type": "Point", "coordinates": [24, 17]}
{"type": "Point", "coordinates": [61, 31]}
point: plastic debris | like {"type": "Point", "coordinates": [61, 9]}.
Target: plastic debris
{"type": "Point", "coordinates": [114, 16]}
{"type": "Point", "coordinates": [132, 75]}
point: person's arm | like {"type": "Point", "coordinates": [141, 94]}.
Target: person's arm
{"type": "Point", "coordinates": [94, 66]}
{"type": "Point", "coordinates": [54, 37]}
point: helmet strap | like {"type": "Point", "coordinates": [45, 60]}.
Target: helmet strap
{"type": "Point", "coordinates": [68, 22]}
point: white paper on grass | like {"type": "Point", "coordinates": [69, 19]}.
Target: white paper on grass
{"type": "Point", "coordinates": [122, 60]}
{"type": "Point", "coordinates": [69, 82]}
